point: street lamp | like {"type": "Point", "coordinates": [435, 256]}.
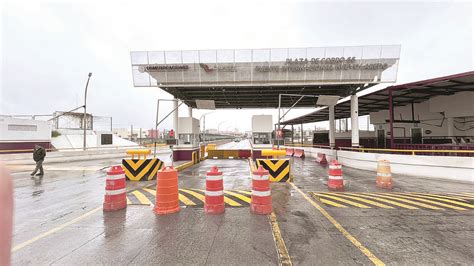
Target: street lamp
{"type": "Point", "coordinates": [204, 125]}
{"type": "Point", "coordinates": [85, 111]}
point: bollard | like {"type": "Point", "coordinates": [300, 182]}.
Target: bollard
{"type": "Point", "coordinates": [335, 178]}
{"type": "Point", "coordinates": [167, 194]}
{"type": "Point", "coordinates": [261, 199]}
{"type": "Point", "coordinates": [384, 175]}
{"type": "Point", "coordinates": [115, 197]}
{"type": "Point", "coordinates": [214, 201]}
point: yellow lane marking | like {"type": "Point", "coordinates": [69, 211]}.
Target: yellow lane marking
{"type": "Point", "coordinates": [129, 201]}
{"type": "Point", "coordinates": [332, 203]}
{"type": "Point", "coordinates": [444, 200]}
{"type": "Point", "coordinates": [430, 202]}
{"type": "Point", "coordinates": [54, 230]}
{"type": "Point", "coordinates": [341, 229]}
{"type": "Point", "coordinates": [195, 194]}
{"type": "Point", "coordinates": [185, 200]}
{"type": "Point", "coordinates": [438, 196]}
{"type": "Point", "coordinates": [387, 201]}
{"type": "Point", "coordinates": [242, 197]}
{"type": "Point", "coordinates": [283, 254]}
{"type": "Point", "coordinates": [151, 191]}
{"type": "Point", "coordinates": [244, 192]}
{"type": "Point", "coordinates": [462, 196]}
{"type": "Point", "coordinates": [362, 199]}
{"type": "Point", "coordinates": [142, 198]}
{"type": "Point", "coordinates": [342, 200]}
{"type": "Point", "coordinates": [396, 197]}
{"type": "Point", "coordinates": [231, 202]}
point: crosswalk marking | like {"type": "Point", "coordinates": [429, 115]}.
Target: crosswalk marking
{"type": "Point", "coordinates": [231, 202]}
{"type": "Point", "coordinates": [193, 193]}
{"type": "Point", "coordinates": [246, 199]}
{"type": "Point", "coordinates": [343, 200]}
{"type": "Point", "coordinates": [332, 203]}
{"type": "Point", "coordinates": [439, 196]}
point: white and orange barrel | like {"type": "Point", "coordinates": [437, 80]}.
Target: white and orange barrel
{"type": "Point", "coordinates": [335, 178]}
{"type": "Point", "coordinates": [261, 199]}
{"type": "Point", "coordinates": [115, 193]}
{"type": "Point", "coordinates": [384, 175]}
{"type": "Point", "coordinates": [214, 200]}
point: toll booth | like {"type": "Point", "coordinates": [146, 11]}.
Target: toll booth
{"type": "Point", "coordinates": [188, 135]}
{"type": "Point", "coordinates": [262, 127]}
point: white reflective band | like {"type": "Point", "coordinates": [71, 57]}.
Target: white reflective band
{"type": "Point", "coordinates": [214, 193]}
{"type": "Point", "coordinates": [261, 193]}
{"type": "Point", "coordinates": [260, 177]}
{"type": "Point", "coordinates": [384, 164]}
{"type": "Point", "coordinates": [335, 166]}
{"type": "Point", "coordinates": [335, 177]}
{"type": "Point", "coordinates": [214, 157]}
{"type": "Point", "coordinates": [230, 157]}
{"type": "Point", "coordinates": [214, 177]}
{"type": "Point", "coordinates": [115, 192]}
{"type": "Point", "coordinates": [115, 177]}
{"type": "Point", "coordinates": [384, 174]}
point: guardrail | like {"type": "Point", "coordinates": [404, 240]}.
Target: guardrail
{"type": "Point", "coordinates": [70, 149]}
{"type": "Point", "coordinates": [412, 152]}
{"type": "Point", "coordinates": [309, 146]}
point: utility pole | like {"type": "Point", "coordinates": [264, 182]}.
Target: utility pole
{"type": "Point", "coordinates": [85, 112]}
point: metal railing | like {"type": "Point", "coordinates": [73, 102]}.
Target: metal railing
{"type": "Point", "coordinates": [468, 153]}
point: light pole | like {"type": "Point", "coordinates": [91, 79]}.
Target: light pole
{"type": "Point", "coordinates": [204, 125]}
{"type": "Point", "coordinates": [85, 111]}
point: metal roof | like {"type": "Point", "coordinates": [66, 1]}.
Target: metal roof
{"type": "Point", "coordinates": [259, 97]}
{"type": "Point", "coordinates": [403, 94]}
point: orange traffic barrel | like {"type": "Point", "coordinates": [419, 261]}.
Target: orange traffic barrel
{"type": "Point", "coordinates": [261, 198]}
{"type": "Point", "coordinates": [384, 175]}
{"type": "Point", "coordinates": [115, 198]}
{"type": "Point", "coordinates": [167, 194]}
{"type": "Point", "coordinates": [214, 200]}
{"type": "Point", "coordinates": [335, 178]}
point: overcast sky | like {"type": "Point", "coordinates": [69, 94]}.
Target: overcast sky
{"type": "Point", "coordinates": [47, 48]}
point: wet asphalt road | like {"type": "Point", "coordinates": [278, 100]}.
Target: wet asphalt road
{"type": "Point", "coordinates": [46, 208]}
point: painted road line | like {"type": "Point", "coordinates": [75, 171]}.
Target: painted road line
{"type": "Point", "coordinates": [430, 201]}
{"type": "Point", "coordinates": [54, 230]}
{"type": "Point", "coordinates": [371, 202]}
{"type": "Point", "coordinates": [283, 254]}
{"type": "Point", "coordinates": [462, 196]}
{"type": "Point", "coordinates": [341, 200]}
{"type": "Point", "coordinates": [245, 192]}
{"type": "Point", "coordinates": [386, 201]}
{"type": "Point", "coordinates": [397, 198]}
{"type": "Point", "coordinates": [194, 194]}
{"type": "Point", "coordinates": [341, 229]}
{"type": "Point", "coordinates": [128, 201]}
{"type": "Point", "coordinates": [241, 197]}
{"type": "Point", "coordinates": [185, 200]}
{"type": "Point", "coordinates": [141, 198]}
{"type": "Point", "coordinates": [227, 200]}
{"type": "Point", "coordinates": [439, 196]}
{"type": "Point", "coordinates": [439, 199]}
{"type": "Point", "coordinates": [332, 203]}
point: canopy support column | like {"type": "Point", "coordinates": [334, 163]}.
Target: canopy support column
{"type": "Point", "coordinates": [175, 120]}
{"type": "Point", "coordinates": [332, 135]}
{"type": "Point", "coordinates": [355, 120]}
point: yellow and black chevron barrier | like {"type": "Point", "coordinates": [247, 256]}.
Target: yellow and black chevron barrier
{"type": "Point", "coordinates": [141, 169]}
{"type": "Point", "coordinates": [189, 197]}
{"type": "Point", "coordinates": [279, 169]}
{"type": "Point", "coordinates": [397, 200]}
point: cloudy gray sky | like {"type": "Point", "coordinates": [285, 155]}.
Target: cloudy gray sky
{"type": "Point", "coordinates": [47, 48]}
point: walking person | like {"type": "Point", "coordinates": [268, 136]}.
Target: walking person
{"type": "Point", "coordinates": [38, 155]}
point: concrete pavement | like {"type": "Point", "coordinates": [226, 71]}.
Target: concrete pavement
{"type": "Point", "coordinates": [59, 220]}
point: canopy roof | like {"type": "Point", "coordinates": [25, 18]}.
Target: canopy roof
{"type": "Point", "coordinates": [404, 94]}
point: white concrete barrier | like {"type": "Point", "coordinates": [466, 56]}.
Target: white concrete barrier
{"type": "Point", "coordinates": [446, 167]}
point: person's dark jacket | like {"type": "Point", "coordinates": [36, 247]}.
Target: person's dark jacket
{"type": "Point", "coordinates": [39, 154]}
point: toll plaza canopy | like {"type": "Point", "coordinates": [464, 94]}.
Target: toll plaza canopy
{"type": "Point", "coordinates": [403, 94]}
{"type": "Point", "coordinates": [254, 78]}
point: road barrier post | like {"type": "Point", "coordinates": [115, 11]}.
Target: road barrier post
{"type": "Point", "coordinates": [214, 200]}
{"type": "Point", "coordinates": [115, 198]}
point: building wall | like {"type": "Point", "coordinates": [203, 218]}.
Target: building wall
{"type": "Point", "coordinates": [433, 115]}
{"type": "Point", "coordinates": [262, 123]}
{"type": "Point", "coordinates": [14, 129]}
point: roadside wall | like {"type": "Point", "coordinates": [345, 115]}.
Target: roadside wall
{"type": "Point", "coordinates": [445, 167]}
